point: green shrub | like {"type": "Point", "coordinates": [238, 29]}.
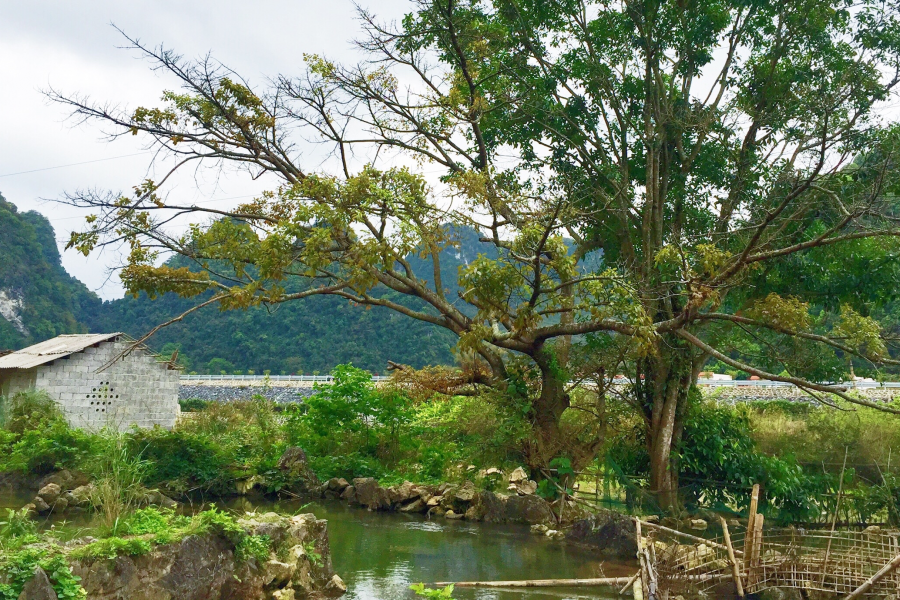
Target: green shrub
{"type": "Point", "coordinates": [112, 547]}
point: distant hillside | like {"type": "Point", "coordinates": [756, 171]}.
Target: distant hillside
{"type": "Point", "coordinates": [38, 299]}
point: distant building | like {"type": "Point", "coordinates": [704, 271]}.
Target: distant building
{"type": "Point", "coordinates": [95, 386]}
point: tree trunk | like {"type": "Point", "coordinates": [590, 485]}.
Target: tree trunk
{"type": "Point", "coordinates": [547, 410]}
{"type": "Point", "coordinates": [663, 384]}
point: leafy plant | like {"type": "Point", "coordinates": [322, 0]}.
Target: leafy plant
{"type": "Point", "coordinates": [445, 593]}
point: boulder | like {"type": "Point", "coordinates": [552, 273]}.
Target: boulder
{"type": "Point", "coordinates": [65, 479]}
{"type": "Point", "coordinates": [526, 488]}
{"type": "Point", "coordinates": [60, 505]}
{"type": "Point", "coordinates": [528, 509]}
{"type": "Point", "coordinates": [453, 515]}
{"type": "Point", "coordinates": [82, 495]}
{"type": "Point", "coordinates": [491, 507]}
{"type": "Point", "coordinates": [40, 506]}
{"type": "Point", "coordinates": [416, 506]}
{"type": "Point", "coordinates": [335, 587]}
{"type": "Point", "coordinates": [435, 501]}
{"type": "Point", "coordinates": [539, 529]}
{"type": "Point", "coordinates": [466, 493]}
{"type": "Point", "coordinates": [38, 587]}
{"type": "Point", "coordinates": [349, 495]}
{"type": "Point", "coordinates": [698, 524]}
{"type": "Point", "coordinates": [609, 532]}
{"type": "Point", "coordinates": [157, 498]}
{"type": "Point", "coordinates": [518, 476]}
{"type": "Point", "coordinates": [404, 492]}
{"type": "Point", "coordinates": [337, 484]}
{"type": "Point", "coordinates": [370, 494]}
{"type": "Point", "coordinates": [50, 493]}
{"type": "Point", "coordinates": [203, 566]}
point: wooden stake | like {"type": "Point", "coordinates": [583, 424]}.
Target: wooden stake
{"type": "Point", "coordinates": [736, 570]}
{"type": "Point", "coordinates": [881, 574]}
{"type": "Point", "coordinates": [755, 550]}
{"type": "Point", "coordinates": [751, 519]}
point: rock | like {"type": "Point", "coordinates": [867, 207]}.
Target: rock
{"type": "Point", "coordinates": [872, 529]}
{"type": "Point", "coordinates": [60, 505]}
{"type": "Point", "coordinates": [335, 587]}
{"type": "Point", "coordinates": [528, 509]}
{"type": "Point", "coordinates": [466, 493]}
{"type": "Point", "coordinates": [416, 506]}
{"type": "Point", "coordinates": [370, 494]}
{"type": "Point", "coordinates": [349, 495]}
{"type": "Point", "coordinates": [65, 479]}
{"type": "Point", "coordinates": [651, 519]}
{"type": "Point", "coordinates": [526, 488]}
{"type": "Point", "coordinates": [38, 587]}
{"type": "Point", "coordinates": [555, 534]}
{"type": "Point", "coordinates": [539, 529]}
{"type": "Point", "coordinates": [277, 573]}
{"type": "Point", "coordinates": [82, 495]}
{"type": "Point", "coordinates": [30, 510]}
{"type": "Point", "coordinates": [698, 524]}
{"type": "Point", "coordinates": [50, 493]}
{"type": "Point", "coordinates": [473, 513]}
{"type": "Point", "coordinates": [156, 498]}
{"type": "Point", "coordinates": [404, 492]}
{"type": "Point", "coordinates": [518, 476]}
{"type": "Point", "coordinates": [489, 472]}
{"type": "Point", "coordinates": [203, 566]}
{"type": "Point", "coordinates": [40, 506]}
{"type": "Point", "coordinates": [437, 511]}
{"type": "Point", "coordinates": [453, 515]}
{"type": "Point", "coordinates": [491, 506]}
{"type": "Point", "coordinates": [337, 484]}
{"type": "Point", "coordinates": [609, 532]}
{"type": "Point", "coordinates": [435, 501]}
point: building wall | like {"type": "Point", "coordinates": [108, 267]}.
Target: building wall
{"type": "Point", "coordinates": [17, 381]}
{"type": "Point", "coordinates": [134, 390]}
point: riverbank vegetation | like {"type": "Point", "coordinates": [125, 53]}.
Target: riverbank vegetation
{"type": "Point", "coordinates": [353, 428]}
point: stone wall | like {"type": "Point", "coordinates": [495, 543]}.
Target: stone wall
{"type": "Point", "coordinates": [134, 390]}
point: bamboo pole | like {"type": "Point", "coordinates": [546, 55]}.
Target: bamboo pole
{"type": "Point", "coordinates": [736, 570]}
{"type": "Point", "coordinates": [751, 520]}
{"type": "Point", "coordinates": [629, 583]}
{"type": "Point", "coordinates": [637, 590]}
{"type": "Point", "coordinates": [528, 583]}
{"type": "Point", "coordinates": [881, 574]}
{"type": "Point", "coordinates": [645, 588]}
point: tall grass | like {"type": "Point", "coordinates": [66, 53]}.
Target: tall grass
{"type": "Point", "coordinates": [118, 479]}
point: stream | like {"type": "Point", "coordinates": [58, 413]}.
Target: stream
{"type": "Point", "coordinates": [378, 555]}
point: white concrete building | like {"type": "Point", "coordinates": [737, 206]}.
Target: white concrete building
{"type": "Point", "coordinates": [95, 386]}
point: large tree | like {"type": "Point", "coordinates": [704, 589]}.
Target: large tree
{"type": "Point", "coordinates": [699, 146]}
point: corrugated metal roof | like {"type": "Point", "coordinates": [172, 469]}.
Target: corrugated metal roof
{"type": "Point", "coordinates": [51, 350]}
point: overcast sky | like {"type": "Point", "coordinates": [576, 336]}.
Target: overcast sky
{"type": "Point", "coordinates": [72, 47]}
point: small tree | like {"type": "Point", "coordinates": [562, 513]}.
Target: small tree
{"type": "Point", "coordinates": [645, 174]}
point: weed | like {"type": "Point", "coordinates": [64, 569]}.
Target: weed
{"type": "Point", "coordinates": [112, 547]}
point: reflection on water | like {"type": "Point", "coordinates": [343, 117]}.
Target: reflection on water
{"type": "Point", "coordinates": [380, 554]}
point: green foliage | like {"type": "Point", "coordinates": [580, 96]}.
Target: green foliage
{"type": "Point", "coordinates": [36, 438]}
{"type": "Point", "coordinates": [314, 556]}
{"type": "Point", "coordinates": [256, 547]}
{"type": "Point", "coordinates": [109, 548]}
{"type": "Point", "coordinates": [18, 568]}
{"type": "Point", "coordinates": [445, 593]}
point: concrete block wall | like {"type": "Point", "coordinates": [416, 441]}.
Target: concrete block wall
{"type": "Point", "coordinates": [134, 390]}
{"type": "Point", "coordinates": [15, 381]}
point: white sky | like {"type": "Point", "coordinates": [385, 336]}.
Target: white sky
{"type": "Point", "coordinates": [72, 47]}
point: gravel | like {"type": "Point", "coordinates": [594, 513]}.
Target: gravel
{"type": "Point", "coordinates": [229, 393]}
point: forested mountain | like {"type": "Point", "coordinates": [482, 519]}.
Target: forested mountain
{"type": "Point", "coordinates": [38, 299]}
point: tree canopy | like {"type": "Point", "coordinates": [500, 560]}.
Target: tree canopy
{"type": "Point", "coordinates": [708, 150]}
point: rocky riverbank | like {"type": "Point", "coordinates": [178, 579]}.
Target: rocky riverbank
{"type": "Point", "coordinates": [295, 563]}
{"type": "Point", "coordinates": [232, 393]}
{"type": "Point", "coordinates": [611, 534]}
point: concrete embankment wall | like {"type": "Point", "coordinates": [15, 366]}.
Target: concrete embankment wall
{"type": "Point", "coordinates": [284, 389]}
